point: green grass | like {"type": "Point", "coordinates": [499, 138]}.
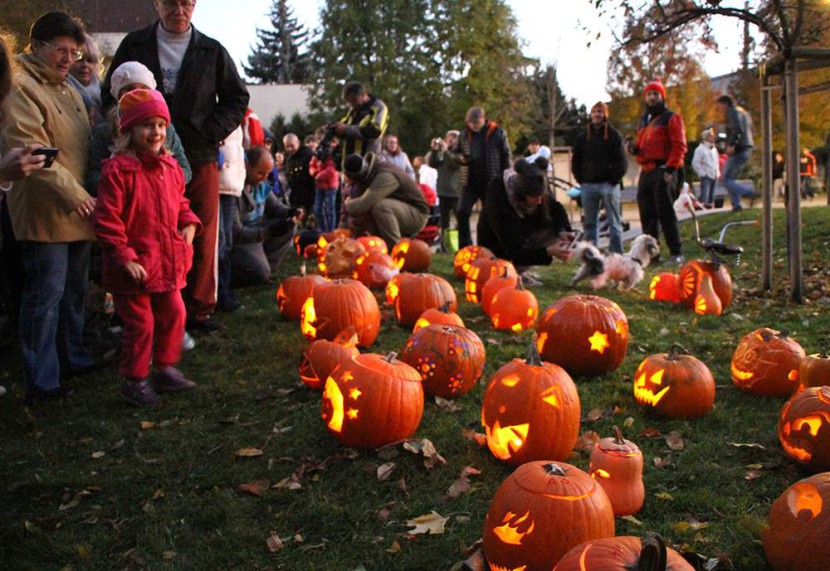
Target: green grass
{"type": "Point", "coordinates": [167, 497]}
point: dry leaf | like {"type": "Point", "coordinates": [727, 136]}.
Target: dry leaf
{"type": "Point", "coordinates": [462, 484]}
{"type": "Point", "coordinates": [298, 538]}
{"type": "Point", "coordinates": [168, 555]}
{"type": "Point", "coordinates": [662, 462]}
{"type": "Point", "coordinates": [248, 452]}
{"type": "Point", "coordinates": [255, 488]}
{"type": "Point", "coordinates": [99, 454]}
{"type": "Point", "coordinates": [684, 526]}
{"type": "Point", "coordinates": [274, 543]}
{"type": "Point", "coordinates": [478, 437]}
{"type": "Point", "coordinates": [385, 512]}
{"type": "Point", "coordinates": [427, 448]}
{"type": "Point", "coordinates": [147, 424]}
{"type": "Point", "coordinates": [651, 433]}
{"type": "Point", "coordinates": [594, 415]}
{"type": "Point", "coordinates": [287, 483]}
{"type": "Point", "coordinates": [586, 441]}
{"type": "Point", "coordinates": [753, 475]}
{"type": "Point", "coordinates": [402, 485]}
{"type": "Point", "coordinates": [675, 441]}
{"type": "Point", "coordinates": [394, 548]}
{"type": "Point", "coordinates": [385, 470]}
{"type": "Point", "coordinates": [746, 445]}
{"type": "Point", "coordinates": [628, 422]}
{"type": "Point", "coordinates": [447, 404]}
{"type": "Point", "coordinates": [633, 520]}
{"type": "Point", "coordinates": [431, 523]}
{"type": "Point", "coordinates": [491, 340]}
{"type": "Point", "coordinates": [754, 466]}
{"type": "Point", "coordinates": [663, 496]}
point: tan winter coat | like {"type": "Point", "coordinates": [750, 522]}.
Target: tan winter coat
{"type": "Point", "coordinates": [43, 108]}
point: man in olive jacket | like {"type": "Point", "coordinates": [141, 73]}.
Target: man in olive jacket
{"type": "Point", "coordinates": [207, 101]}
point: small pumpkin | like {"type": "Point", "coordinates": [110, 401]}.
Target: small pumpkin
{"type": "Point", "coordinates": [322, 356]}
{"type": "Point", "coordinates": [766, 362]}
{"type": "Point", "coordinates": [481, 270]}
{"type": "Point", "coordinates": [674, 385]}
{"type": "Point", "coordinates": [419, 292]}
{"type": "Point", "coordinates": [294, 291]}
{"type": "Point", "coordinates": [707, 301]}
{"type": "Point", "coordinates": [690, 275]}
{"type": "Point", "coordinates": [617, 464]}
{"type": "Point", "coordinates": [623, 553]}
{"type": "Point", "coordinates": [492, 287]}
{"type": "Point", "coordinates": [796, 539]}
{"type": "Point", "coordinates": [665, 286]}
{"type": "Point", "coordinates": [514, 308]}
{"type": "Point", "coordinates": [814, 370]}
{"type": "Point", "coordinates": [804, 428]}
{"type": "Point", "coordinates": [371, 400]}
{"type": "Point", "coordinates": [335, 305]}
{"type": "Point", "coordinates": [467, 255]}
{"type": "Point", "coordinates": [540, 512]}
{"type": "Point", "coordinates": [374, 269]}
{"type": "Point", "coordinates": [450, 359]}
{"type": "Point", "coordinates": [412, 255]}
{"type": "Point", "coordinates": [373, 244]}
{"type": "Point", "coordinates": [438, 316]}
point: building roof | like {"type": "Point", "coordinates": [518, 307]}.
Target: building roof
{"type": "Point", "coordinates": [115, 16]}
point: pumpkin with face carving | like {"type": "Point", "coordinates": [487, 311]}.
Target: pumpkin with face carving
{"type": "Point", "coordinates": [674, 385]}
{"type": "Point", "coordinates": [411, 255]}
{"type": "Point", "coordinates": [466, 256]}
{"type": "Point", "coordinates": [530, 411]}
{"type": "Point", "coordinates": [804, 428]}
{"type": "Point", "coordinates": [617, 464]}
{"type": "Point", "coordinates": [540, 512]}
{"type": "Point", "coordinates": [796, 539]}
{"type": "Point", "coordinates": [766, 363]}
{"type": "Point", "coordinates": [333, 306]}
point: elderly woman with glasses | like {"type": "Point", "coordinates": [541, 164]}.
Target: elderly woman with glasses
{"type": "Point", "coordinates": [84, 77]}
{"type": "Point", "coordinates": [50, 209]}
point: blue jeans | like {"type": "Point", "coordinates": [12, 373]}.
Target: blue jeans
{"type": "Point", "coordinates": [324, 208]}
{"type": "Point", "coordinates": [707, 190]}
{"type": "Point", "coordinates": [733, 168]}
{"type": "Point", "coordinates": [227, 213]}
{"type": "Point", "coordinates": [52, 312]}
{"type": "Point", "coordinates": [594, 195]}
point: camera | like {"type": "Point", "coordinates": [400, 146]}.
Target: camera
{"type": "Point", "coordinates": [323, 150]}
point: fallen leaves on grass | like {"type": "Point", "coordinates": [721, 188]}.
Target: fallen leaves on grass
{"type": "Point", "coordinates": [753, 475]}
{"type": "Point", "coordinates": [477, 437]}
{"type": "Point", "coordinates": [256, 487]}
{"type": "Point", "coordinates": [447, 404]}
{"type": "Point", "coordinates": [462, 484]}
{"type": "Point", "coordinates": [586, 441]}
{"type": "Point", "coordinates": [664, 496]}
{"type": "Point", "coordinates": [394, 548]}
{"type": "Point", "coordinates": [274, 543]}
{"type": "Point", "coordinates": [431, 524]}
{"type": "Point", "coordinates": [650, 432]}
{"type": "Point", "coordinates": [632, 520]}
{"type": "Point", "coordinates": [675, 441]}
{"type": "Point", "coordinates": [248, 452]}
{"type": "Point", "coordinates": [147, 424]}
{"type": "Point", "coordinates": [746, 445]}
{"type": "Point", "coordinates": [385, 470]}
{"type": "Point", "coordinates": [689, 525]}
{"type": "Point", "coordinates": [425, 447]}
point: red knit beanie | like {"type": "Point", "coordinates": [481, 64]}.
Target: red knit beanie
{"type": "Point", "coordinates": [656, 85]}
{"type": "Point", "coordinates": [139, 105]}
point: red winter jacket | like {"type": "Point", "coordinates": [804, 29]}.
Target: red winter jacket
{"type": "Point", "coordinates": [324, 173]}
{"type": "Point", "coordinates": [661, 141]}
{"type": "Point", "coordinates": [141, 208]}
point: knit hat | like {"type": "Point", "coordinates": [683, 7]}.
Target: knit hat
{"type": "Point", "coordinates": [140, 105]}
{"type": "Point", "coordinates": [656, 85]}
{"type": "Point", "coordinates": [128, 73]}
{"type": "Point", "coordinates": [355, 167]}
{"type": "Point", "coordinates": [531, 176]}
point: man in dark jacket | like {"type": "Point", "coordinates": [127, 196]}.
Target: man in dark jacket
{"type": "Point", "coordinates": [207, 101]}
{"type": "Point", "coordinates": [485, 155]}
{"type": "Point", "coordinates": [739, 145]}
{"type": "Point", "coordinates": [300, 181]}
{"type": "Point", "coordinates": [598, 164]}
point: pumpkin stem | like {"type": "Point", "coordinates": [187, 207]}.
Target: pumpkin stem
{"type": "Point", "coordinates": [302, 269]}
{"type": "Point", "coordinates": [390, 356]}
{"type": "Point", "coordinates": [533, 357]}
{"type": "Point", "coordinates": [445, 308]}
{"type": "Point", "coordinates": [654, 555]}
{"type": "Point", "coordinates": [618, 435]}
{"type": "Point", "coordinates": [519, 285]}
{"type": "Point", "coordinates": [554, 469]}
{"type": "Point", "coordinates": [823, 354]}
{"type": "Point", "coordinates": [676, 350]}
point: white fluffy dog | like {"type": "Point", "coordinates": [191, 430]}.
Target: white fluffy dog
{"type": "Point", "coordinates": [626, 270]}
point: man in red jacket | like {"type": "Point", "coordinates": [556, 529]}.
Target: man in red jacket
{"type": "Point", "coordinates": [659, 149]}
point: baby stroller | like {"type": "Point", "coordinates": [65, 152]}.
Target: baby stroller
{"type": "Point", "coordinates": [431, 233]}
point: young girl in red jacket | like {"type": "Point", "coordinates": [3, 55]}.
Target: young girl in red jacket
{"type": "Point", "coordinates": [146, 228]}
{"type": "Point", "coordinates": [326, 183]}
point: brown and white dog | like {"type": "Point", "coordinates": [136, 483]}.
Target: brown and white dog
{"type": "Point", "coordinates": [626, 270]}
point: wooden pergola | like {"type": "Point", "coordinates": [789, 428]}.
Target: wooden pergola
{"type": "Point", "coordinates": [787, 65]}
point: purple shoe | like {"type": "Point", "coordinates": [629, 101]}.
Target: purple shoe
{"type": "Point", "coordinates": [139, 393]}
{"type": "Point", "coordinates": [171, 380]}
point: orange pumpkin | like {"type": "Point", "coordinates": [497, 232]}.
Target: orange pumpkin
{"type": "Point", "coordinates": [450, 359]}
{"type": "Point", "coordinates": [412, 255]}
{"type": "Point", "coordinates": [335, 305]}
{"type": "Point", "coordinates": [796, 539]}
{"type": "Point", "coordinates": [373, 244]}
{"type": "Point", "coordinates": [584, 334]}
{"type": "Point", "coordinates": [374, 269]}
{"type": "Point", "coordinates": [540, 512]}
{"type": "Point", "coordinates": [322, 356]}
{"type": "Point", "coordinates": [674, 385]}
{"type": "Point", "coordinates": [371, 400]}
{"type": "Point", "coordinates": [617, 464]}
{"type": "Point", "coordinates": [310, 251]}
{"type": "Point", "coordinates": [814, 370]}
{"type": "Point", "coordinates": [339, 257]}
{"type": "Point", "coordinates": [766, 362]}
{"type": "Point", "coordinates": [419, 292]}
{"type": "Point", "coordinates": [438, 316]}
{"type": "Point", "coordinates": [804, 428]}
{"type": "Point", "coordinates": [514, 308]}
{"type": "Point", "coordinates": [707, 301]}
{"type": "Point", "coordinates": [623, 553]}
{"type": "Point", "coordinates": [665, 286]}
{"type": "Point", "coordinates": [294, 291]}
{"type": "Point", "coordinates": [482, 270]}
{"type": "Point", "coordinates": [466, 256]}
{"type": "Point", "coordinates": [530, 411]}
{"type": "Point", "coordinates": [493, 286]}
{"type": "Point", "coordinates": [393, 287]}
{"type": "Point", "coordinates": [689, 279]}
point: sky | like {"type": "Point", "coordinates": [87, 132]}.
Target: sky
{"type": "Point", "coordinates": [549, 31]}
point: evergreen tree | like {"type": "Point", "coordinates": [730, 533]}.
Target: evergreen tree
{"type": "Point", "coordinates": [277, 57]}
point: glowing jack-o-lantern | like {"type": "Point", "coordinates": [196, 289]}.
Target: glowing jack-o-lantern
{"type": "Point", "coordinates": [804, 428]}
{"type": "Point", "coordinates": [334, 306]}
{"type": "Point", "coordinates": [419, 292]}
{"type": "Point", "coordinates": [530, 411]}
{"type": "Point", "coordinates": [323, 242]}
{"type": "Point", "coordinates": [373, 244]}
{"type": "Point", "coordinates": [689, 279]}
{"type": "Point", "coordinates": [514, 308]}
{"type": "Point", "coordinates": [482, 270]}
{"type": "Point", "coordinates": [707, 301]}
{"type": "Point", "coordinates": [411, 255]}
{"type": "Point", "coordinates": [766, 362]}
{"type": "Point", "coordinates": [466, 256]}
{"type": "Point", "coordinates": [374, 269]}
{"type": "Point", "coordinates": [438, 316]}
{"type": "Point", "coordinates": [371, 400]}
{"type": "Point", "coordinates": [617, 464]}
{"type": "Point", "coordinates": [493, 286]}
{"type": "Point", "coordinates": [294, 291]}
{"type": "Point", "coordinates": [393, 287]}
{"type": "Point", "coordinates": [540, 512]}
{"type": "Point", "coordinates": [623, 553]}
{"type": "Point", "coordinates": [796, 539]}
{"type": "Point", "coordinates": [449, 358]}
{"type": "Point", "coordinates": [675, 385]}
{"type": "Point", "coordinates": [584, 334]}
{"type": "Point", "coordinates": [664, 287]}
{"type": "Point", "coordinates": [322, 356]}
{"type": "Point", "coordinates": [814, 370]}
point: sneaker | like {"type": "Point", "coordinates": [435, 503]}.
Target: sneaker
{"type": "Point", "coordinates": [188, 342]}
{"type": "Point", "coordinates": [737, 208]}
{"type": "Point", "coordinates": [139, 393]}
{"type": "Point", "coordinates": [529, 281]}
{"type": "Point", "coordinates": [171, 380]}
{"type": "Point", "coordinates": [675, 260]}
{"type": "Point", "coordinates": [206, 324]}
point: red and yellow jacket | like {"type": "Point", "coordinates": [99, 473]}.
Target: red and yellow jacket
{"type": "Point", "coordinates": [661, 141]}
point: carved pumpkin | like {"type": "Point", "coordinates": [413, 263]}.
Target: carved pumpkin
{"type": "Point", "coordinates": [707, 301]}
{"type": "Point", "coordinates": [492, 287]}
{"type": "Point", "coordinates": [450, 359]}
{"type": "Point", "coordinates": [371, 400]}
{"type": "Point", "coordinates": [623, 553]}
{"type": "Point", "coordinates": [294, 291]}
{"type": "Point", "coordinates": [530, 411]}
{"type": "Point", "coordinates": [419, 292]}
{"type": "Point", "coordinates": [766, 363]}
{"type": "Point", "coordinates": [482, 270]}
{"type": "Point", "coordinates": [540, 512]}
{"type": "Point", "coordinates": [393, 287]}
{"type": "Point", "coordinates": [689, 279]}
{"type": "Point", "coordinates": [796, 539]}
{"type": "Point", "coordinates": [412, 255]}
{"type": "Point", "coordinates": [814, 370]}
{"type": "Point", "coordinates": [304, 239]}
{"type": "Point", "coordinates": [438, 316]}
{"type": "Point", "coordinates": [322, 356]}
{"type": "Point", "coordinates": [665, 286]}
{"type": "Point", "coordinates": [335, 305]}
{"type": "Point", "coordinates": [310, 251]}
{"type": "Point", "coordinates": [584, 334]}
{"type": "Point", "coordinates": [466, 256]}
{"type": "Point", "coordinates": [322, 243]}
{"type": "Point", "coordinates": [340, 256]}
{"type": "Point", "coordinates": [804, 428]}
{"type": "Point", "coordinates": [674, 385]}
{"type": "Point", "coordinates": [373, 244]}
{"type": "Point", "coordinates": [374, 269]}
{"type": "Point", "coordinates": [514, 308]}
{"type": "Point", "coordinates": [617, 464]}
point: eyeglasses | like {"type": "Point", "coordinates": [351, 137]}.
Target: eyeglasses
{"type": "Point", "coordinates": [183, 4]}
{"type": "Point", "coordinates": [74, 55]}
